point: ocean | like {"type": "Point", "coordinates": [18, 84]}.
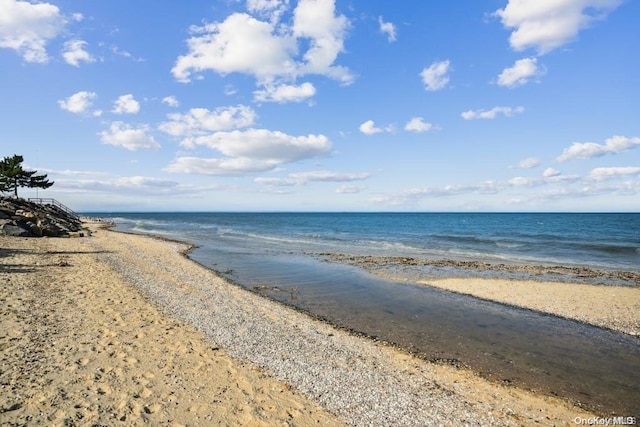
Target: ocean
{"type": "Point", "coordinates": [607, 241]}
{"type": "Point", "coordinates": [284, 257]}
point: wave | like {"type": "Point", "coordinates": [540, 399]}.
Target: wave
{"type": "Point", "coordinates": [611, 248]}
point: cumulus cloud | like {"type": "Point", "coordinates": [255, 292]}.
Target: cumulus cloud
{"type": "Point", "coordinates": [492, 113]}
{"type": "Point", "coordinates": [529, 162]}
{"type": "Point", "coordinates": [201, 121]}
{"type": "Point", "coordinates": [316, 20]}
{"type": "Point", "coordinates": [240, 43]}
{"type": "Point", "coordinates": [369, 128]}
{"type": "Point", "coordinates": [387, 28]}
{"type": "Point", "coordinates": [132, 138]}
{"type": "Point", "coordinates": [74, 52]}
{"type": "Point", "coordinates": [79, 102]}
{"type": "Point", "coordinates": [547, 25]}
{"type": "Point", "coordinates": [285, 93]}
{"type": "Point", "coordinates": [171, 101]}
{"type": "Point", "coordinates": [601, 174]}
{"type": "Point", "coordinates": [417, 124]}
{"type": "Point", "coordinates": [27, 28]}
{"type": "Point", "coordinates": [219, 166]}
{"type": "Point", "coordinates": [269, 50]}
{"type": "Point", "coordinates": [520, 73]}
{"type": "Point", "coordinates": [435, 77]}
{"type": "Point", "coordinates": [266, 144]}
{"type": "Point", "coordinates": [587, 150]}
{"type": "Point", "coordinates": [126, 104]}
{"type": "Point", "coordinates": [551, 172]}
{"type": "Point", "coordinates": [250, 151]}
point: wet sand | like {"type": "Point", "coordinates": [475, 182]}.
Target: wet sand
{"type": "Point", "coordinates": [122, 329]}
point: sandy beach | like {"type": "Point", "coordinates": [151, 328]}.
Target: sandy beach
{"type": "Point", "coordinates": [120, 329]}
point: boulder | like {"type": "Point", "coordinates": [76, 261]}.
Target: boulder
{"type": "Point", "coordinates": [19, 217]}
{"type": "Point", "coordinates": [13, 230]}
{"type": "Point", "coordinates": [34, 229]}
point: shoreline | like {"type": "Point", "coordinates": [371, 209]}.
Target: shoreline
{"type": "Point", "coordinates": [446, 393]}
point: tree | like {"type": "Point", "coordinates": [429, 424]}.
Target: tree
{"type": "Point", "coordinates": [13, 176]}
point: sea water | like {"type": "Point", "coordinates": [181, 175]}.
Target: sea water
{"type": "Point", "coordinates": [272, 253]}
{"type": "Point", "coordinates": [609, 241]}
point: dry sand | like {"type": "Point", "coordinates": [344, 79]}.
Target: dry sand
{"type": "Point", "coordinates": [99, 330]}
{"type": "Point", "coordinates": [80, 346]}
{"type": "Point", "coordinates": [606, 306]}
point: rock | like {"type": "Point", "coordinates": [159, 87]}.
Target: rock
{"type": "Point", "coordinates": [19, 217]}
{"type": "Point", "coordinates": [34, 229]}
{"type": "Point", "coordinates": [14, 230]}
{"type": "Point", "coordinates": [25, 214]}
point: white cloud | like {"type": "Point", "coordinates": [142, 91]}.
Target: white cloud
{"type": "Point", "coordinates": [547, 25]}
{"type": "Point", "coordinates": [492, 113]}
{"type": "Point", "coordinates": [327, 176]}
{"type": "Point", "coordinates": [521, 72]}
{"type": "Point", "coordinates": [126, 104]}
{"type": "Point", "coordinates": [519, 181]}
{"type": "Point", "coordinates": [264, 144]}
{"type": "Point", "coordinates": [414, 195]}
{"type": "Point", "coordinates": [369, 128]}
{"type": "Point", "coordinates": [79, 102]}
{"type": "Point", "coordinates": [285, 93]}
{"type": "Point", "coordinates": [435, 77]}
{"type": "Point", "coordinates": [302, 178]}
{"type": "Point", "coordinates": [123, 135]}
{"type": "Point", "coordinates": [551, 172]}
{"type": "Point", "coordinates": [230, 90]}
{"type": "Point", "coordinates": [529, 162]}
{"type": "Point", "coordinates": [317, 21]}
{"type": "Point", "coordinates": [587, 150]}
{"type": "Point", "coordinates": [117, 51]}
{"type": "Point", "coordinates": [219, 167]}
{"type": "Point", "coordinates": [417, 124]}
{"type": "Point", "coordinates": [240, 44]}
{"type": "Point", "coordinates": [350, 189]}
{"type": "Point", "coordinates": [27, 27]}
{"type": "Point", "coordinates": [171, 101]}
{"type": "Point", "coordinates": [601, 174]}
{"type": "Point", "coordinates": [131, 185]}
{"type": "Point", "coordinates": [250, 151]}
{"type": "Point", "coordinates": [387, 28]}
{"type": "Point", "coordinates": [201, 121]}
{"type": "Point", "coordinates": [269, 50]}
{"type": "Point", "coordinates": [74, 53]}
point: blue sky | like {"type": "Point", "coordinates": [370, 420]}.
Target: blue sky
{"type": "Point", "coordinates": [325, 105]}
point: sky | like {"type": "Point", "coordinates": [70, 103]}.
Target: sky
{"type": "Point", "coordinates": [325, 105]}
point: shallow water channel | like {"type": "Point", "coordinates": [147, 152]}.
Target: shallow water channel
{"type": "Point", "coordinates": [587, 365]}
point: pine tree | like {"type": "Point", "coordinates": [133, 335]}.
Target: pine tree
{"type": "Point", "coordinates": [13, 176]}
